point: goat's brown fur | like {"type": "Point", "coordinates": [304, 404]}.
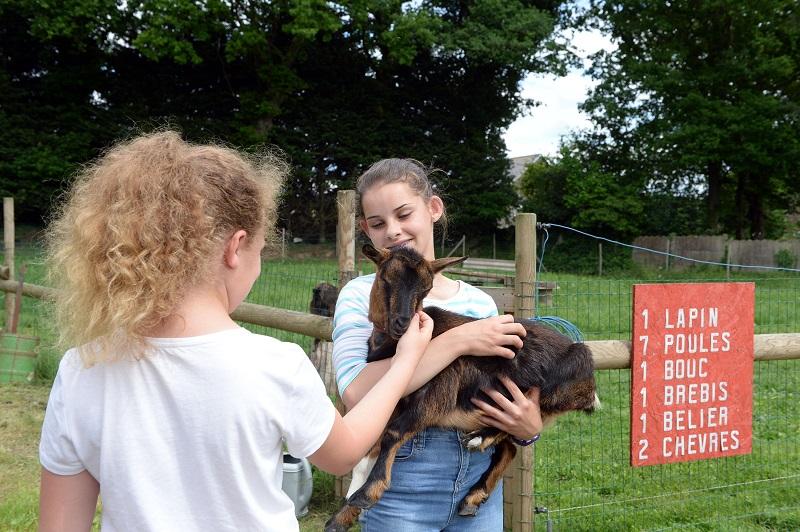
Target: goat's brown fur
{"type": "Point", "coordinates": [563, 371]}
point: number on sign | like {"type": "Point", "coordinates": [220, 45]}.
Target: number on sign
{"type": "Point", "coordinates": [643, 391]}
{"type": "Point", "coordinates": [642, 449]}
{"type": "Point", "coordinates": [644, 317]}
{"type": "Point", "coordinates": [644, 339]}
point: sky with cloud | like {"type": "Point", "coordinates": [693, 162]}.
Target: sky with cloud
{"type": "Point", "coordinates": [539, 130]}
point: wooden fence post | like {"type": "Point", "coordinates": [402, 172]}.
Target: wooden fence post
{"type": "Point", "coordinates": [518, 482]}
{"type": "Point", "coordinates": [8, 239]}
{"type": "Point", "coordinates": [346, 254]}
{"type": "Point", "coordinates": [346, 235]}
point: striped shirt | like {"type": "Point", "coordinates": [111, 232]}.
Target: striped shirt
{"type": "Point", "coordinates": [352, 329]}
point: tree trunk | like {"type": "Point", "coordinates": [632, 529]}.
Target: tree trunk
{"type": "Point", "coordinates": [322, 210]}
{"type": "Point", "coordinates": [756, 214]}
{"type": "Point", "coordinates": [741, 186]}
{"type": "Point", "coordinates": [714, 175]}
{"type": "Point", "coordinates": [321, 222]}
{"type": "Point", "coordinates": [263, 126]}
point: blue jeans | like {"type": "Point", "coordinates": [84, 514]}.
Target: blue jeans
{"type": "Point", "coordinates": [431, 475]}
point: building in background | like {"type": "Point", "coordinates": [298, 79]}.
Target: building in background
{"type": "Point", "coordinates": [518, 165]}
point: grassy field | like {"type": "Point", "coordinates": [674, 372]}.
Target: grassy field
{"type": "Point", "coordinates": [582, 475]}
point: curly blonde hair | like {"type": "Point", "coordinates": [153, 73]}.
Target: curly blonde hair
{"type": "Point", "coordinates": [143, 223]}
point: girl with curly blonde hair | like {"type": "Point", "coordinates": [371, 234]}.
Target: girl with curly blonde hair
{"type": "Point", "coordinates": [171, 412]}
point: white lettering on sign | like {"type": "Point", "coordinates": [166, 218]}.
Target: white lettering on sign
{"type": "Point", "coordinates": [693, 444]}
{"type": "Point", "coordinates": [711, 417]}
{"type": "Point", "coordinates": [696, 393]}
{"type": "Point", "coordinates": [691, 317]}
{"type": "Point", "coordinates": [681, 343]}
{"type": "Point", "coordinates": [685, 368]}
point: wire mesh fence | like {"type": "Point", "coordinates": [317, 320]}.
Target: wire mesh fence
{"type": "Point", "coordinates": [582, 474]}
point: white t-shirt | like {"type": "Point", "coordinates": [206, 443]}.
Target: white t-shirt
{"type": "Point", "coordinates": [190, 437]}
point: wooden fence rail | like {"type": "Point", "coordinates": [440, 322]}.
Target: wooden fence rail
{"type": "Point", "coordinates": [608, 354]}
{"type": "Point", "coordinates": [278, 318]}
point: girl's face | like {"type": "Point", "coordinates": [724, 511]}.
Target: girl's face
{"type": "Point", "coordinates": [394, 215]}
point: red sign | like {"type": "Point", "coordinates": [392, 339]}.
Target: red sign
{"type": "Point", "coordinates": [691, 371]}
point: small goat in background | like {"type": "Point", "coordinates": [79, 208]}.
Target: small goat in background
{"type": "Point", "coordinates": [323, 299]}
{"type": "Point", "coordinates": [563, 371]}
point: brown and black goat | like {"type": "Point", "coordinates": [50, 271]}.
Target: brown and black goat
{"type": "Point", "coordinates": [323, 302]}
{"type": "Point", "coordinates": [563, 371]}
{"type": "Point", "coordinates": [323, 299]}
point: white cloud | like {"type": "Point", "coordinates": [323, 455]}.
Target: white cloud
{"type": "Point", "coordinates": [539, 130]}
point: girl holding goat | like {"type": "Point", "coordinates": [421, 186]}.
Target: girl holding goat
{"type": "Point", "coordinates": [433, 471]}
{"type": "Point", "coordinates": [170, 411]}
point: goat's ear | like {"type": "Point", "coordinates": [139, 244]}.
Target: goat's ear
{"type": "Point", "coordinates": [375, 255]}
{"type": "Point", "coordinates": [440, 264]}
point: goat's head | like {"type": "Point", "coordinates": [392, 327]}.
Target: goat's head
{"type": "Point", "coordinates": [402, 281]}
{"type": "Point", "coordinates": [323, 299]}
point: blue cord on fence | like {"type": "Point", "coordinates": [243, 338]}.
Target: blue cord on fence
{"type": "Point", "coordinates": [561, 325]}
{"type": "Point", "coordinates": [544, 227]}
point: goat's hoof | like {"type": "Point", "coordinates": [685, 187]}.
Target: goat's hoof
{"type": "Point", "coordinates": [467, 510]}
{"type": "Point", "coordinates": [472, 440]}
{"type": "Point", "coordinates": [333, 526]}
{"type": "Point", "coordinates": [473, 443]}
{"type": "Point", "coordinates": [360, 500]}
{"type": "Point", "coordinates": [342, 520]}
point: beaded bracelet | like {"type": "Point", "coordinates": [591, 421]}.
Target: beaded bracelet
{"type": "Point", "coordinates": [525, 443]}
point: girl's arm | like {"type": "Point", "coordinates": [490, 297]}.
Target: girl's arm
{"type": "Point", "coordinates": [485, 337]}
{"type": "Point", "coordinates": [354, 434]}
{"type": "Point", "coordinates": [67, 502]}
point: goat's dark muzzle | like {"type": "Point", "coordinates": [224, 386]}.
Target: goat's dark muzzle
{"type": "Point", "coordinates": [398, 326]}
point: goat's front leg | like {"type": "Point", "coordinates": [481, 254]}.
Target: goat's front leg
{"type": "Point", "coordinates": [503, 455]}
{"type": "Point", "coordinates": [344, 518]}
{"type": "Point", "coordinates": [381, 475]}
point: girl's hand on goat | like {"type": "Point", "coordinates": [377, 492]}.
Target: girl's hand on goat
{"type": "Point", "coordinates": [521, 417]}
{"type": "Point", "coordinates": [416, 339]}
{"type": "Point", "coordinates": [491, 336]}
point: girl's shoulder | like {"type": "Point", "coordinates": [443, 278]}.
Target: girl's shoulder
{"type": "Point", "coordinates": [359, 283]}
{"type": "Point", "coordinates": [472, 301]}
{"type": "Point", "coordinates": [357, 289]}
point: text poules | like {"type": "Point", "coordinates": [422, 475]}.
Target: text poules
{"type": "Point", "coordinates": [691, 343]}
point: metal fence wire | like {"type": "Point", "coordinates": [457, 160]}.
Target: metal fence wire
{"type": "Point", "coordinates": [582, 478]}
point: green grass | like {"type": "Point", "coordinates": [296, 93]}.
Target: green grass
{"type": "Point", "coordinates": [582, 474]}
{"type": "Point", "coordinates": [583, 478]}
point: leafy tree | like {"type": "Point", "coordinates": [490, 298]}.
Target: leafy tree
{"type": "Point", "coordinates": [335, 85]}
{"type": "Point", "coordinates": [542, 185]}
{"type": "Point", "coordinates": [49, 118]}
{"type": "Point", "coordinates": [701, 97]}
